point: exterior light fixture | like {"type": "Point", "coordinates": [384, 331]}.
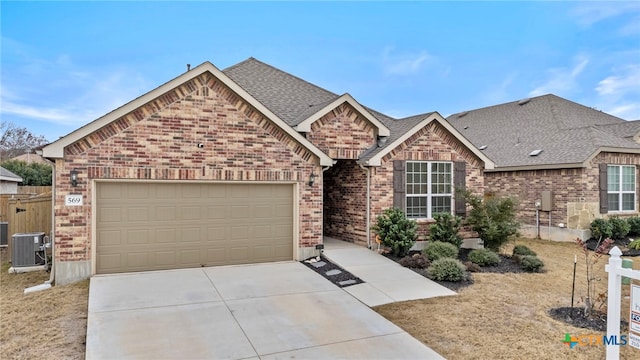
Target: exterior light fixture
{"type": "Point", "coordinates": [74, 177]}
{"type": "Point", "coordinates": [312, 178]}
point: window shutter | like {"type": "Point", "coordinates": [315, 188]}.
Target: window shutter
{"type": "Point", "coordinates": [604, 199]}
{"type": "Point", "coordinates": [399, 184]}
{"type": "Point", "coordinates": [459, 183]}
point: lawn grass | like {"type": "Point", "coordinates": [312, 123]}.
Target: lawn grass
{"type": "Point", "coordinates": [47, 324]}
{"type": "Point", "coordinates": [505, 316]}
{"type": "Point", "coordinates": [501, 316]}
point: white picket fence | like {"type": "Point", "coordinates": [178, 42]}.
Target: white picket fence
{"type": "Point", "coordinates": [616, 272]}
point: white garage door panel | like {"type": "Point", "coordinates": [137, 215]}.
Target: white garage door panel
{"type": "Point", "coordinates": [153, 226]}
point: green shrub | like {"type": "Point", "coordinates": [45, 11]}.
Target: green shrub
{"type": "Point", "coordinates": [446, 229]}
{"type": "Point", "coordinates": [619, 227]}
{"type": "Point", "coordinates": [601, 229]}
{"type": "Point", "coordinates": [396, 231]}
{"type": "Point", "coordinates": [635, 244]}
{"type": "Point", "coordinates": [447, 269]}
{"type": "Point", "coordinates": [471, 267]}
{"type": "Point", "coordinates": [531, 263]}
{"type": "Point", "coordinates": [493, 219]}
{"type": "Point", "coordinates": [437, 250]}
{"type": "Point", "coordinates": [523, 250]}
{"type": "Point", "coordinates": [414, 261]}
{"type": "Point", "coordinates": [484, 257]}
{"type": "Point", "coordinates": [634, 225]}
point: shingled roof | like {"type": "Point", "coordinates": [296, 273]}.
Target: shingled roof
{"type": "Point", "coordinates": [567, 133]}
{"type": "Point", "coordinates": [296, 101]}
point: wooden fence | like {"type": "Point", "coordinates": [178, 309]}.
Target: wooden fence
{"type": "Point", "coordinates": [25, 212]}
{"type": "Point", "coordinates": [30, 215]}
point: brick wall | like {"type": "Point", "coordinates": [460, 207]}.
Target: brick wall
{"type": "Point", "coordinates": [574, 191]}
{"type": "Point", "coordinates": [432, 143]}
{"type": "Point", "coordinates": [343, 133]}
{"type": "Point", "coordinates": [566, 185]}
{"type": "Point", "coordinates": [345, 202]}
{"type": "Point", "coordinates": [158, 141]}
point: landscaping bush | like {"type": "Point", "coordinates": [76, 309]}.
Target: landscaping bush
{"type": "Point", "coordinates": [484, 257]}
{"type": "Point", "coordinates": [601, 229]}
{"type": "Point", "coordinates": [523, 250]}
{"type": "Point", "coordinates": [415, 261]}
{"type": "Point", "coordinates": [635, 244]}
{"type": "Point", "coordinates": [446, 229]}
{"type": "Point", "coordinates": [471, 267]}
{"type": "Point", "coordinates": [396, 231]}
{"type": "Point", "coordinates": [447, 269]}
{"type": "Point", "coordinates": [619, 227]}
{"type": "Point", "coordinates": [531, 263]}
{"type": "Point", "coordinates": [493, 219]}
{"type": "Point", "coordinates": [437, 250]}
{"type": "Point", "coordinates": [634, 225]}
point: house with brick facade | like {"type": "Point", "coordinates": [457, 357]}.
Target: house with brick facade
{"type": "Point", "coordinates": [566, 164]}
{"type": "Point", "coordinates": [241, 165]}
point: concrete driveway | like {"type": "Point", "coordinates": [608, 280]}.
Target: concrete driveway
{"type": "Point", "coordinates": [262, 311]}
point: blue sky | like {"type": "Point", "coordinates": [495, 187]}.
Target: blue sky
{"type": "Point", "coordinates": [64, 64]}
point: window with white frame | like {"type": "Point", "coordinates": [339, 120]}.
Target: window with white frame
{"type": "Point", "coordinates": [429, 188]}
{"type": "Point", "coordinates": [621, 183]}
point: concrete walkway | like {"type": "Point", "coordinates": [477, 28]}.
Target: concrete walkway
{"type": "Point", "coordinates": [385, 280]}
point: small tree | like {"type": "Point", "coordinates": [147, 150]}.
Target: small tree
{"type": "Point", "coordinates": [590, 260]}
{"type": "Point", "coordinates": [32, 174]}
{"type": "Point", "coordinates": [446, 229]}
{"type": "Point", "coordinates": [396, 231]}
{"type": "Point", "coordinates": [493, 219]}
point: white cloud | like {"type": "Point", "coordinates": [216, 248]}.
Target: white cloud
{"type": "Point", "coordinates": [626, 111]}
{"type": "Point", "coordinates": [625, 80]}
{"type": "Point", "coordinates": [562, 80]}
{"type": "Point", "coordinates": [404, 64]}
{"type": "Point", "coordinates": [500, 93]}
{"type": "Point", "coordinates": [62, 92]}
{"type": "Point", "coordinates": [589, 13]}
{"type": "Point", "coordinates": [632, 28]}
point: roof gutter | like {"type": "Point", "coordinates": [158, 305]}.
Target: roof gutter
{"type": "Point", "coordinates": [583, 164]}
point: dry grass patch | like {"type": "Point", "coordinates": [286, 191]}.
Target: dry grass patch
{"type": "Point", "coordinates": [505, 316]}
{"type": "Point", "coordinates": [47, 324]}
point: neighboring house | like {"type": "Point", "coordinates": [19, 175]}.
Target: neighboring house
{"type": "Point", "coordinates": [588, 160]}
{"type": "Point", "coordinates": [248, 164]}
{"type": "Point", "coordinates": [8, 182]}
{"type": "Point", "coordinates": [32, 158]}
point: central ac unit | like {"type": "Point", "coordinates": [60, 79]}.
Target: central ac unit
{"type": "Point", "coordinates": [27, 249]}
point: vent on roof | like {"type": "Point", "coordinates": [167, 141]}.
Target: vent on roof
{"type": "Point", "coordinates": [535, 152]}
{"type": "Point", "coordinates": [462, 114]}
{"type": "Point", "coordinates": [482, 147]}
{"type": "Point", "coordinates": [524, 101]}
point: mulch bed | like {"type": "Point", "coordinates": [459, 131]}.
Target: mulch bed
{"type": "Point", "coordinates": [622, 244]}
{"type": "Point", "coordinates": [506, 265]}
{"type": "Point", "coordinates": [330, 267]}
{"type": "Point", "coordinates": [575, 316]}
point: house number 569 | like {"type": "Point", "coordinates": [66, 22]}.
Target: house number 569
{"type": "Point", "coordinates": [73, 200]}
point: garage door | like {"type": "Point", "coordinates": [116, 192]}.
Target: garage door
{"type": "Point", "coordinates": [155, 226]}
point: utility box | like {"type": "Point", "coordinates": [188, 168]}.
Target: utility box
{"type": "Point", "coordinates": [27, 249]}
{"type": "Point", "coordinates": [546, 201]}
{"type": "Point", "coordinates": [4, 230]}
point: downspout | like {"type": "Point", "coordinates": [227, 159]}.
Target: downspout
{"type": "Point", "coordinates": [47, 284]}
{"type": "Point", "coordinates": [53, 225]}
{"type": "Point", "coordinates": [368, 171]}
